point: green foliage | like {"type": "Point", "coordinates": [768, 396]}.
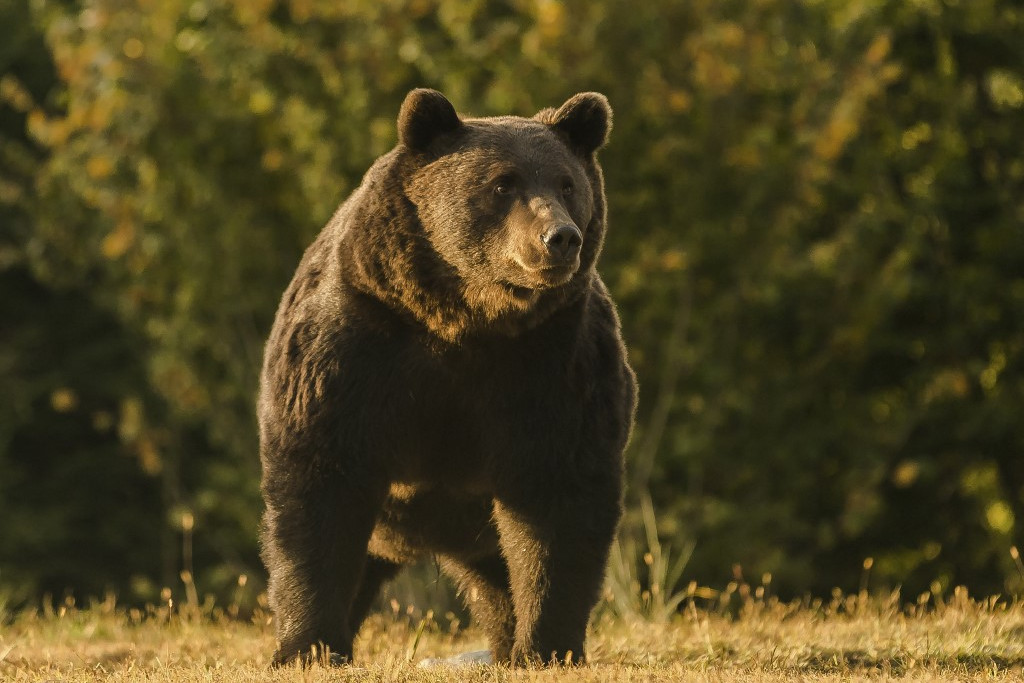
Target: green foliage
{"type": "Point", "coordinates": [641, 578]}
{"type": "Point", "coordinates": [815, 244]}
{"type": "Point", "coordinates": [851, 253]}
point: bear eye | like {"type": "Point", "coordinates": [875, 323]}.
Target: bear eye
{"type": "Point", "coordinates": [567, 189]}
{"type": "Point", "coordinates": [504, 186]}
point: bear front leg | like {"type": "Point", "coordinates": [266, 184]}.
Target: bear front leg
{"type": "Point", "coordinates": [376, 573]}
{"type": "Point", "coordinates": [556, 542]}
{"type": "Point", "coordinates": [315, 547]}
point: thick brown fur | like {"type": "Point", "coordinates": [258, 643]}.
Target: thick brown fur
{"type": "Point", "coordinates": [446, 377]}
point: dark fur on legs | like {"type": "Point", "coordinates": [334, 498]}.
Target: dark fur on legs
{"type": "Point", "coordinates": [484, 585]}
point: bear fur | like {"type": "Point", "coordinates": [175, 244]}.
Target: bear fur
{"type": "Point", "coordinates": [446, 377]}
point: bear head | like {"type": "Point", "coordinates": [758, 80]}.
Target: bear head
{"type": "Point", "coordinates": [513, 206]}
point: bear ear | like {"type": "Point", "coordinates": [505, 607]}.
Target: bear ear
{"type": "Point", "coordinates": [425, 114]}
{"type": "Point", "coordinates": [585, 119]}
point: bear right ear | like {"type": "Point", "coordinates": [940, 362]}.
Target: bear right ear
{"type": "Point", "coordinates": [425, 114]}
{"type": "Point", "coordinates": [585, 120]}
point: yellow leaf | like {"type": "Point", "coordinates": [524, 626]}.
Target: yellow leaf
{"type": "Point", "coordinates": [261, 101]}
{"type": "Point", "coordinates": [550, 18]}
{"type": "Point", "coordinates": [999, 517]}
{"type": "Point", "coordinates": [878, 50]}
{"type": "Point", "coordinates": [674, 259]}
{"type": "Point", "coordinates": [133, 48]}
{"type": "Point", "coordinates": [64, 400]}
{"type": "Point", "coordinates": [906, 473]}
{"type": "Point", "coordinates": [118, 241]}
{"type": "Point", "coordinates": [272, 159]}
{"type": "Point", "coordinates": [679, 101]}
{"type": "Point", "coordinates": [149, 456]}
{"type": "Point", "coordinates": [99, 167]}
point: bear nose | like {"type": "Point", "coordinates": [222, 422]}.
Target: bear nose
{"type": "Point", "coordinates": [563, 241]}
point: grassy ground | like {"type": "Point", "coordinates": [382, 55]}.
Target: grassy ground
{"type": "Point", "coordinates": [850, 638]}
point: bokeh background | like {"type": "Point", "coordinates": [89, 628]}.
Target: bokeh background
{"type": "Point", "coordinates": [816, 244]}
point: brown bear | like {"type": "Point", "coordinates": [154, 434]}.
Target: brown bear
{"type": "Point", "coordinates": [446, 377]}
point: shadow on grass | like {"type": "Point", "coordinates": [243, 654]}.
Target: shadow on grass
{"type": "Point", "coordinates": [840, 661]}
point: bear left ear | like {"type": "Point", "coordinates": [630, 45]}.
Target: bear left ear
{"type": "Point", "coordinates": [425, 114]}
{"type": "Point", "coordinates": [585, 119]}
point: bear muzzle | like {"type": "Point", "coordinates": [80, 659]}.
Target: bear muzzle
{"type": "Point", "coordinates": [547, 273]}
{"type": "Point", "coordinates": [563, 243]}
{"type": "Point", "coordinates": [558, 257]}
{"type": "Point", "coordinates": [546, 254]}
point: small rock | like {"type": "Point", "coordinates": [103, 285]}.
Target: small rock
{"type": "Point", "coordinates": [466, 659]}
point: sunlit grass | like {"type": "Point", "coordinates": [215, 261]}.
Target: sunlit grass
{"type": "Point", "coordinates": [738, 635]}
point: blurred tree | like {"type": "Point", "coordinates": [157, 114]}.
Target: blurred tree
{"type": "Point", "coordinates": [839, 378]}
{"type": "Point", "coordinates": [816, 244]}
{"type": "Point", "coordinates": [76, 513]}
{"type": "Point", "coordinates": [79, 513]}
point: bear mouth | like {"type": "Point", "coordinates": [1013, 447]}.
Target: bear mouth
{"type": "Point", "coordinates": [541, 279]}
{"type": "Point", "coordinates": [543, 275]}
{"type": "Point", "coordinates": [552, 276]}
{"type": "Point", "coordinates": [526, 283]}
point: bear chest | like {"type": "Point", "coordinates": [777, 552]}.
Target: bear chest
{"type": "Point", "coordinates": [457, 416]}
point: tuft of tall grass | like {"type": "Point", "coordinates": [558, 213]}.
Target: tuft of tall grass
{"type": "Point", "coordinates": [644, 573]}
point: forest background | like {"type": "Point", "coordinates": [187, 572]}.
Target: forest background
{"type": "Point", "coordinates": [816, 244]}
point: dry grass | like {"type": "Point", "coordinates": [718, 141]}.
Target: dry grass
{"type": "Point", "coordinates": [849, 638]}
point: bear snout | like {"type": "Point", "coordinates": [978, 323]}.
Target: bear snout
{"type": "Point", "coordinates": [563, 242]}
